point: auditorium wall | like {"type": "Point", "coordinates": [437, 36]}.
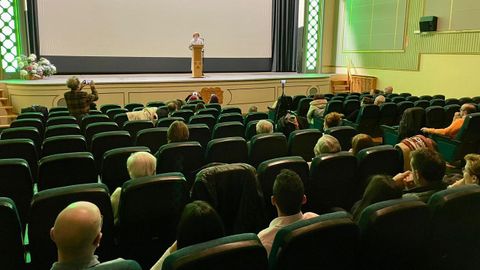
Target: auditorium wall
{"type": "Point", "coordinates": [429, 63]}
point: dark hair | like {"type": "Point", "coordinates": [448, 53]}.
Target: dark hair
{"type": "Point", "coordinates": [171, 107]}
{"type": "Point", "coordinates": [288, 192]}
{"type": "Point", "coordinates": [380, 188]}
{"type": "Point", "coordinates": [429, 164]}
{"type": "Point", "coordinates": [177, 132]}
{"type": "Point", "coordinates": [367, 100]}
{"type": "Point", "coordinates": [213, 99]}
{"type": "Point", "coordinates": [199, 106]}
{"type": "Point", "coordinates": [361, 141]}
{"type": "Point", "coordinates": [318, 96]}
{"type": "Point", "coordinates": [198, 223]}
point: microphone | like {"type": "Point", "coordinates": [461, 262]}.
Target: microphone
{"type": "Point", "coordinates": [283, 82]}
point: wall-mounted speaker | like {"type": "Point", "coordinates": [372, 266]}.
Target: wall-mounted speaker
{"type": "Point", "coordinates": [428, 23]}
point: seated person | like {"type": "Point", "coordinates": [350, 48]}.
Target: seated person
{"type": "Point", "coordinates": [171, 107]}
{"type": "Point", "coordinates": [333, 119]}
{"type": "Point", "coordinates": [457, 122]}
{"type": "Point", "coordinates": [213, 99]}
{"type": "Point", "coordinates": [290, 122]}
{"type": "Point", "coordinates": [77, 234]}
{"type": "Point", "coordinates": [388, 90]}
{"type": "Point", "coordinates": [360, 142]}
{"type": "Point", "coordinates": [177, 132]}
{"type": "Point", "coordinates": [199, 106]}
{"type": "Point", "coordinates": [380, 188]}
{"type": "Point", "coordinates": [264, 127]}
{"type": "Point", "coordinates": [428, 169]}
{"type": "Point", "coordinates": [365, 101]}
{"type": "Point", "coordinates": [317, 107]}
{"type": "Point", "coordinates": [379, 100]}
{"type": "Point", "coordinates": [408, 145]}
{"type": "Point", "coordinates": [471, 171]}
{"type": "Point", "coordinates": [198, 223]}
{"type": "Point", "coordinates": [288, 197]}
{"type": "Point", "coordinates": [79, 102]}
{"type": "Point", "coordinates": [149, 113]}
{"type": "Point", "coordinates": [193, 96]}
{"type": "Point", "coordinates": [327, 144]}
{"type": "Point", "coordinates": [139, 164]}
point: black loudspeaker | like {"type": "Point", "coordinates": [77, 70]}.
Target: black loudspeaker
{"type": "Point", "coordinates": [428, 23]}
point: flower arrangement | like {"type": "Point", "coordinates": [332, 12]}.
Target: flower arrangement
{"type": "Point", "coordinates": [32, 69]}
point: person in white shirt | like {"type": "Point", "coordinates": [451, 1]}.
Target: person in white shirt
{"type": "Point", "coordinates": [196, 40]}
{"type": "Point", "coordinates": [288, 197]}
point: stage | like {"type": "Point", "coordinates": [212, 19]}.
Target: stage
{"type": "Point", "coordinates": [239, 89]}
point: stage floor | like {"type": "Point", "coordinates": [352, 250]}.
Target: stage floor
{"type": "Point", "coordinates": [174, 77]}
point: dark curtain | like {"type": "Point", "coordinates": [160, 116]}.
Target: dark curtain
{"type": "Point", "coordinates": [285, 24]}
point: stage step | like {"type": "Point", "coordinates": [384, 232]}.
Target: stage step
{"type": "Point", "coordinates": [6, 107]}
{"type": "Point", "coordinates": [9, 116]}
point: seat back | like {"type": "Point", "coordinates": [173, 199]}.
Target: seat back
{"type": "Point", "coordinates": [166, 122]}
{"type": "Point", "coordinates": [450, 111]}
{"type": "Point", "coordinates": [469, 136]}
{"type": "Point", "coordinates": [190, 107]}
{"type": "Point", "coordinates": [230, 117]}
{"type": "Point", "coordinates": [412, 98]}
{"type": "Point", "coordinates": [114, 165]}
{"type": "Point", "coordinates": [464, 100]}
{"type": "Point", "coordinates": [269, 169]}
{"type": "Point", "coordinates": [120, 119]}
{"type": "Point", "coordinates": [301, 143]}
{"type": "Point", "coordinates": [334, 106]}
{"type": "Point", "coordinates": [199, 133]}
{"type": "Point", "coordinates": [133, 127]}
{"type": "Point", "coordinates": [206, 119]}
{"type": "Point", "coordinates": [401, 107]}
{"type": "Point", "coordinates": [58, 109]}
{"type": "Point", "coordinates": [131, 106]}
{"type": "Point", "coordinates": [435, 117]}
{"type": "Point", "coordinates": [325, 242]}
{"type": "Point", "coordinates": [267, 146]}
{"type": "Point", "coordinates": [156, 103]}
{"type": "Point", "coordinates": [16, 183]}
{"type": "Point", "coordinates": [437, 102]}
{"type": "Point", "coordinates": [65, 169]}
{"type": "Point", "coordinates": [442, 97]}
{"type": "Point", "coordinates": [226, 150]}
{"type": "Point", "coordinates": [21, 148]}
{"type": "Point", "coordinates": [454, 234]}
{"type": "Point", "coordinates": [98, 127]}
{"type": "Point", "coordinates": [61, 120]}
{"type": "Point", "coordinates": [388, 114]}
{"type": "Point", "coordinates": [64, 129]}
{"type": "Point", "coordinates": [106, 107]}
{"type": "Point", "coordinates": [32, 115]}
{"type": "Point", "coordinates": [29, 122]}
{"type": "Point", "coordinates": [210, 110]}
{"type": "Point", "coordinates": [89, 119]}
{"type": "Point", "coordinates": [45, 207]}
{"type": "Point", "coordinates": [12, 251]}
{"type": "Point", "coordinates": [426, 97]}
{"type": "Point", "coordinates": [230, 110]}
{"type": "Point", "coordinates": [112, 112]}
{"type": "Point", "coordinates": [102, 142]}
{"type": "Point", "coordinates": [152, 138]}
{"type": "Point", "coordinates": [216, 106]}
{"type": "Point", "coordinates": [413, 119]}
{"type": "Point", "coordinates": [398, 99]}
{"type": "Point", "coordinates": [296, 100]}
{"type": "Point", "coordinates": [421, 103]}
{"type": "Point", "coordinates": [394, 231]}
{"type": "Point", "coordinates": [251, 129]}
{"type": "Point", "coordinates": [344, 135]}
{"type": "Point", "coordinates": [349, 106]}
{"type": "Point", "coordinates": [367, 120]}
{"type": "Point", "coordinates": [23, 133]}
{"type": "Point", "coordinates": [332, 182]}
{"type": "Point", "coordinates": [185, 114]}
{"type": "Point", "coordinates": [148, 214]}
{"type": "Point", "coordinates": [255, 116]}
{"type": "Point", "coordinates": [452, 101]}
{"type": "Point", "coordinates": [236, 252]}
{"type": "Point", "coordinates": [382, 159]}
{"type": "Point", "coordinates": [184, 157]}
{"type": "Point", "coordinates": [233, 190]}
{"type": "Point", "coordinates": [303, 106]}
{"type": "Point", "coordinates": [228, 129]}
{"type": "Point", "coordinates": [63, 144]}
{"type": "Point", "coordinates": [118, 265]}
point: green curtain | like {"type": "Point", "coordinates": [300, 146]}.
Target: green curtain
{"type": "Point", "coordinates": [285, 23]}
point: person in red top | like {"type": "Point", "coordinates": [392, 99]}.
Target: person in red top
{"type": "Point", "coordinates": [452, 130]}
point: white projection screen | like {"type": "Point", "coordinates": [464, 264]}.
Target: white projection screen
{"type": "Point", "coordinates": [113, 36]}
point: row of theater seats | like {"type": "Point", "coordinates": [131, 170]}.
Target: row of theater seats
{"type": "Point", "coordinates": [395, 234]}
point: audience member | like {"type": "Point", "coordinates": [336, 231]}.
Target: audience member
{"type": "Point", "coordinates": [471, 171]}
{"type": "Point", "coordinates": [428, 169]}
{"type": "Point", "coordinates": [77, 234]}
{"type": "Point", "coordinates": [149, 113]}
{"type": "Point", "coordinates": [193, 96]}
{"type": "Point", "coordinates": [78, 101]}
{"type": "Point", "coordinates": [457, 122]}
{"type": "Point", "coordinates": [327, 144]}
{"type": "Point", "coordinates": [252, 108]}
{"type": "Point", "coordinates": [290, 122]}
{"type": "Point", "coordinates": [264, 126]}
{"type": "Point", "coordinates": [288, 197]}
{"type": "Point", "coordinates": [199, 106]}
{"type": "Point", "coordinates": [317, 107]}
{"type": "Point", "coordinates": [360, 142]}
{"type": "Point", "coordinates": [408, 145]}
{"type": "Point", "coordinates": [213, 99]}
{"type": "Point", "coordinates": [177, 132]}
{"type": "Point", "coordinates": [333, 119]}
{"type": "Point", "coordinates": [379, 100]}
{"type": "Point", "coordinates": [139, 164]}
{"type": "Point", "coordinates": [198, 223]}
{"type": "Point", "coordinates": [171, 107]}
{"type": "Point", "coordinates": [380, 188]}
{"type": "Point", "coordinates": [365, 101]}
{"type": "Point", "coordinates": [388, 90]}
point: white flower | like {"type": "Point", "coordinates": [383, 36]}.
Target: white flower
{"type": "Point", "coordinates": [54, 69]}
{"type": "Point", "coordinates": [34, 71]}
{"type": "Point", "coordinates": [23, 73]}
{"type": "Point", "coordinates": [32, 57]}
{"type": "Point", "coordinates": [20, 64]}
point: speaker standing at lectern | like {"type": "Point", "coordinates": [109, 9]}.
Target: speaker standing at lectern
{"type": "Point", "coordinates": [197, 40]}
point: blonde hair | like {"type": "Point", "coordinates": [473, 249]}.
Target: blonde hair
{"type": "Point", "coordinates": [177, 132]}
{"type": "Point", "coordinates": [474, 168]}
{"type": "Point", "coordinates": [264, 126]}
{"type": "Point", "coordinates": [327, 144]}
{"type": "Point", "coordinates": [360, 142]}
{"type": "Point", "coordinates": [141, 164]}
{"type": "Point", "coordinates": [379, 100]}
{"type": "Point", "coordinates": [73, 83]}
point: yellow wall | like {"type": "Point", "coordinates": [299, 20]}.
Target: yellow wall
{"type": "Point", "coordinates": [451, 75]}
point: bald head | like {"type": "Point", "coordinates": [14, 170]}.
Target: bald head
{"type": "Point", "coordinates": [77, 231]}
{"type": "Point", "coordinates": [467, 109]}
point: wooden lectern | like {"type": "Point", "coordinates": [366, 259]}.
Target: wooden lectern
{"type": "Point", "coordinates": [197, 61]}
